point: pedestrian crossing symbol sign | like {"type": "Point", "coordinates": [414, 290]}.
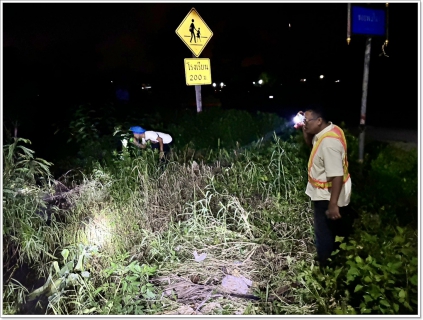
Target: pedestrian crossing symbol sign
{"type": "Point", "coordinates": [194, 32]}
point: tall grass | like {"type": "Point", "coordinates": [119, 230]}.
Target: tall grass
{"type": "Point", "coordinates": [128, 239]}
{"type": "Point", "coordinates": [135, 211]}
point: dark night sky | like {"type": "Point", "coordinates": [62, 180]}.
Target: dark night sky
{"type": "Point", "coordinates": [57, 49]}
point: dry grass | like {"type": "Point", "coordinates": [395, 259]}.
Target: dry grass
{"type": "Point", "coordinates": [259, 232]}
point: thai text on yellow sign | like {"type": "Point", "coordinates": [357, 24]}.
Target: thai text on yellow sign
{"type": "Point", "coordinates": [197, 71]}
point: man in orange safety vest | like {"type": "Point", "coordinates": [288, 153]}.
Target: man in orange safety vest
{"type": "Point", "coordinates": [329, 183]}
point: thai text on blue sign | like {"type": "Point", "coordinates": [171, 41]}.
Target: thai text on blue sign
{"type": "Point", "coordinates": [368, 21]}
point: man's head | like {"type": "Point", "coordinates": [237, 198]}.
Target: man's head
{"type": "Point", "coordinates": [138, 132]}
{"type": "Point", "coordinates": [315, 119]}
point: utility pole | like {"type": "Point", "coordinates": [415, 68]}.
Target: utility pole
{"type": "Point", "coordinates": [369, 22]}
{"type": "Point", "coordinates": [364, 99]}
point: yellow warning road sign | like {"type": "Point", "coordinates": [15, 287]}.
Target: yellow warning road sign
{"type": "Point", "coordinates": [197, 71]}
{"type": "Point", "coordinates": [194, 32]}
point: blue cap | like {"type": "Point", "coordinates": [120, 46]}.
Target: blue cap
{"type": "Point", "coordinates": [137, 129]}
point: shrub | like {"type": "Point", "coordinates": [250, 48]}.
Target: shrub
{"type": "Point", "coordinates": [391, 185]}
{"type": "Point", "coordinates": [215, 128]}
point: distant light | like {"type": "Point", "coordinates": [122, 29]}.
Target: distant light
{"type": "Point", "coordinates": [254, 82]}
{"type": "Point", "coordinates": [260, 81]}
{"type": "Point", "coordinates": [322, 76]}
{"type": "Point", "coordinates": [111, 81]}
{"type": "Point", "coordinates": [214, 84]}
{"type": "Point", "coordinates": [303, 80]}
{"type": "Point", "coordinates": [289, 25]}
{"type": "Point", "coordinates": [222, 84]}
{"type": "Point", "coordinates": [270, 97]}
{"type": "Point", "coordinates": [142, 88]}
{"type": "Point", "coordinates": [337, 80]}
{"type": "Point", "coordinates": [148, 87]}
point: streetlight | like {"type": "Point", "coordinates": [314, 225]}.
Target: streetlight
{"type": "Point", "coordinates": [214, 84]}
{"type": "Point", "coordinates": [260, 81]}
{"type": "Point", "coordinates": [322, 76]}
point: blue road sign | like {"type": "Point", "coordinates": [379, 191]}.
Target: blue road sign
{"type": "Point", "coordinates": [367, 21]}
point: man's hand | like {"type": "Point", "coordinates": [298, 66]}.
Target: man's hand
{"type": "Point", "coordinates": [308, 138]}
{"type": "Point", "coordinates": [160, 140]}
{"type": "Point", "coordinates": [139, 145]}
{"type": "Point", "coordinates": [333, 212]}
{"type": "Point", "coordinates": [335, 190]}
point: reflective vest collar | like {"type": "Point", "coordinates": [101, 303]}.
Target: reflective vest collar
{"type": "Point", "coordinates": [321, 133]}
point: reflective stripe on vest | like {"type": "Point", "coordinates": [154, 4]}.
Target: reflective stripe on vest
{"type": "Point", "coordinates": [336, 133]}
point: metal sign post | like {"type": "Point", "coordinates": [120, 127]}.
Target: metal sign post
{"type": "Point", "coordinates": [369, 22]}
{"type": "Point", "coordinates": [364, 99]}
{"type": "Point", "coordinates": [198, 97]}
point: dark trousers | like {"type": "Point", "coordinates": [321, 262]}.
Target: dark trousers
{"type": "Point", "coordinates": [326, 230]}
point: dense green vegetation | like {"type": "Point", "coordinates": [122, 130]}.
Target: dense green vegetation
{"type": "Point", "coordinates": [119, 231]}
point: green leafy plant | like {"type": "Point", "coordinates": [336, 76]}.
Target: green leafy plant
{"type": "Point", "coordinates": [124, 289]}
{"type": "Point", "coordinates": [393, 178]}
{"type": "Point", "coordinates": [20, 167]}
{"type": "Point", "coordinates": [23, 206]}
{"type": "Point", "coordinates": [91, 128]}
{"type": "Point", "coordinates": [375, 272]}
